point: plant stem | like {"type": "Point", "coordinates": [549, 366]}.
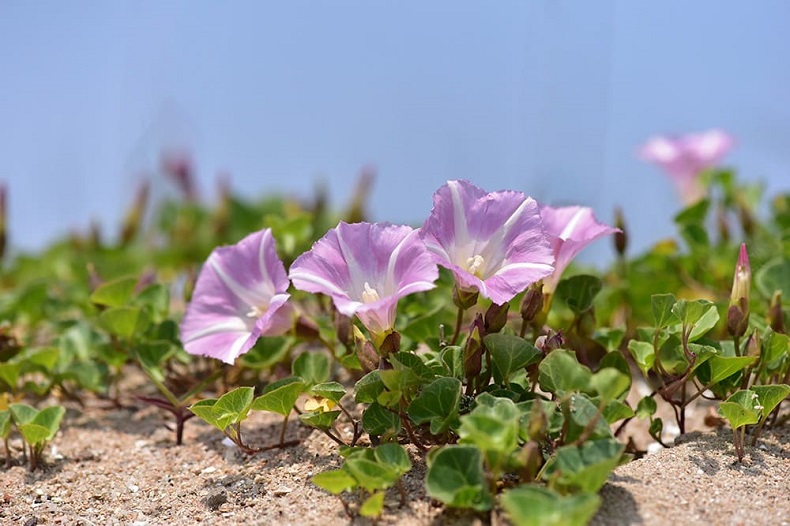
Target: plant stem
{"type": "Point", "coordinates": [458, 321]}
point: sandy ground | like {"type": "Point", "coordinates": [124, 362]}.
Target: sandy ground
{"type": "Point", "coordinates": [119, 466]}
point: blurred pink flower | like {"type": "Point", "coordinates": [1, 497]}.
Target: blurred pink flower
{"type": "Point", "coordinates": [240, 295]}
{"type": "Point", "coordinates": [366, 268]}
{"type": "Point", "coordinates": [684, 158]}
{"type": "Point", "coordinates": [492, 242]}
{"type": "Point", "coordinates": [570, 229]}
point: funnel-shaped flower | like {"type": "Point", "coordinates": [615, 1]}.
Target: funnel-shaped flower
{"type": "Point", "coordinates": [492, 242]}
{"type": "Point", "coordinates": [239, 296]}
{"type": "Point", "coordinates": [570, 229]}
{"type": "Point", "coordinates": [366, 268]}
{"type": "Point", "coordinates": [684, 158]}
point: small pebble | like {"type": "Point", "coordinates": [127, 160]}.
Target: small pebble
{"type": "Point", "coordinates": [210, 469]}
{"type": "Point", "coordinates": [216, 499]}
{"type": "Point", "coordinates": [282, 490]}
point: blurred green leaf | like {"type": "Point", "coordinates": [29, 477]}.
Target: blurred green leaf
{"type": "Point", "coordinates": [532, 505]}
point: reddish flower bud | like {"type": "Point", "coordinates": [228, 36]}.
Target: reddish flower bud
{"type": "Point", "coordinates": [496, 317]}
{"type": "Point", "coordinates": [775, 313]}
{"type": "Point", "coordinates": [532, 303]}
{"type": "Point", "coordinates": [473, 350]}
{"type": "Point", "coordinates": [621, 237]}
{"type": "Point", "coordinates": [464, 299]}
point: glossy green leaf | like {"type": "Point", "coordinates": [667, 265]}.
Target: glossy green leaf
{"type": "Point", "coordinates": [280, 396]}
{"type": "Point", "coordinates": [561, 372]}
{"type": "Point", "coordinates": [615, 411]}
{"type": "Point", "coordinates": [532, 505]}
{"type": "Point", "coordinates": [661, 305]}
{"type": "Point", "coordinates": [394, 456]}
{"type": "Point", "coordinates": [437, 403]}
{"type": "Point", "coordinates": [741, 408]}
{"type": "Point", "coordinates": [335, 481]}
{"type": "Point", "coordinates": [320, 420]}
{"type": "Point", "coordinates": [610, 383]}
{"type": "Point", "coordinates": [722, 367]}
{"type": "Point", "coordinates": [116, 293]}
{"type": "Point", "coordinates": [373, 505]}
{"type": "Point", "coordinates": [377, 420]}
{"type": "Point", "coordinates": [368, 388]}
{"type": "Point", "coordinates": [333, 391]}
{"type": "Point", "coordinates": [579, 291]}
{"type": "Point", "coordinates": [583, 468]}
{"type": "Point", "coordinates": [770, 396]}
{"type": "Point", "coordinates": [644, 355]}
{"type": "Point", "coordinates": [509, 354]}
{"type": "Point", "coordinates": [204, 409]}
{"type": "Point", "coordinates": [456, 478]}
{"type": "Point", "coordinates": [233, 406]}
{"type": "Point", "coordinates": [312, 367]}
{"type": "Point", "coordinates": [646, 407]}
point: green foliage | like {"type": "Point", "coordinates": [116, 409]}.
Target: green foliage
{"type": "Point", "coordinates": [532, 505]}
{"type": "Point", "coordinates": [456, 478]}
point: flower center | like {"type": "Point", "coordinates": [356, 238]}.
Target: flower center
{"type": "Point", "coordinates": [256, 311]}
{"type": "Point", "coordinates": [474, 265]}
{"type": "Point", "coordinates": [369, 295]}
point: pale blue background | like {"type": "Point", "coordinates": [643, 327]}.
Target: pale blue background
{"type": "Point", "coordinates": [550, 97]}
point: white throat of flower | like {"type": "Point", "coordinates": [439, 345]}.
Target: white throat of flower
{"type": "Point", "coordinates": [474, 265]}
{"type": "Point", "coordinates": [256, 311]}
{"type": "Point", "coordinates": [369, 295]}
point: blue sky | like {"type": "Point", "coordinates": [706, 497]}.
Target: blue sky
{"type": "Point", "coordinates": [549, 97]}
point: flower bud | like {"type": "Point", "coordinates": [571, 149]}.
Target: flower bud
{"type": "Point", "coordinates": [178, 166]}
{"type": "Point", "coordinates": [738, 313]}
{"type": "Point", "coordinates": [391, 344]}
{"type": "Point", "coordinates": [134, 216]}
{"type": "Point", "coordinates": [722, 224]}
{"type": "Point", "coordinates": [3, 218]}
{"type": "Point", "coordinates": [754, 344]}
{"type": "Point", "coordinates": [464, 299]}
{"type": "Point", "coordinates": [775, 313]}
{"type": "Point", "coordinates": [621, 237]}
{"type": "Point", "coordinates": [531, 460]}
{"type": "Point", "coordinates": [473, 350]}
{"type": "Point", "coordinates": [532, 303]}
{"type": "Point", "coordinates": [366, 352]}
{"type": "Point", "coordinates": [343, 328]}
{"type": "Point", "coordinates": [496, 317]}
{"type": "Point", "coordinates": [549, 342]}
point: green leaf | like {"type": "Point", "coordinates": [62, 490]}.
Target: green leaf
{"type": "Point", "coordinates": [610, 338]}
{"type": "Point", "coordinates": [770, 396]}
{"type": "Point", "coordinates": [561, 372]}
{"type": "Point", "coordinates": [437, 403]}
{"type": "Point", "coordinates": [23, 413]}
{"type": "Point", "coordinates": [722, 367]}
{"type": "Point", "coordinates": [694, 214]}
{"type": "Point", "coordinates": [34, 434]}
{"type": "Point", "coordinates": [43, 359]}
{"type": "Point", "coordinates": [610, 383]}
{"type": "Point", "coordinates": [157, 298]}
{"type": "Point", "coordinates": [775, 346]}
{"type": "Point", "coordinates": [373, 505]}
{"type": "Point", "coordinates": [646, 407]}
{"type": "Point", "coordinates": [509, 354]}
{"type": "Point", "coordinates": [9, 373]}
{"type": "Point", "coordinates": [456, 478]}
{"type": "Point", "coordinates": [615, 411]}
{"type": "Point", "coordinates": [116, 293]}
{"type": "Point", "coordinates": [394, 456]}
{"type": "Point", "coordinates": [690, 312]}
{"type": "Point", "coordinates": [5, 423]}
{"type": "Point", "coordinates": [319, 420]}
{"type": "Point", "coordinates": [377, 420]}
{"type": "Point", "coordinates": [312, 367]}
{"type": "Point", "coordinates": [773, 276]}
{"type": "Point", "coordinates": [493, 426]}
{"type": "Point", "coordinates": [125, 321]}
{"type": "Point", "coordinates": [453, 360]}
{"type": "Point", "coordinates": [335, 481]}
{"type": "Point", "coordinates": [661, 305]}
{"type": "Point", "coordinates": [644, 355]}
{"type": "Point", "coordinates": [204, 409]}
{"type": "Point", "coordinates": [49, 418]}
{"type": "Point", "coordinates": [655, 429]}
{"type": "Point", "coordinates": [579, 291]}
{"type": "Point", "coordinates": [584, 468]}
{"type": "Point", "coordinates": [532, 505]}
{"type": "Point", "coordinates": [741, 409]}
{"type": "Point", "coordinates": [368, 388]}
{"type": "Point", "coordinates": [333, 391]}
{"type": "Point", "coordinates": [370, 474]}
{"type": "Point", "coordinates": [280, 396]}
{"type": "Point", "coordinates": [233, 406]}
{"type": "Point", "coordinates": [583, 412]}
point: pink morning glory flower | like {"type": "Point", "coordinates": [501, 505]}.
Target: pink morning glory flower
{"type": "Point", "coordinates": [366, 268]}
{"type": "Point", "coordinates": [570, 229]}
{"type": "Point", "coordinates": [684, 158]}
{"type": "Point", "coordinates": [240, 295]}
{"type": "Point", "coordinates": [493, 243]}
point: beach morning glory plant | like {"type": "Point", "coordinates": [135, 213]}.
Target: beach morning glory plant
{"type": "Point", "coordinates": [684, 158]}
{"type": "Point", "coordinates": [570, 229]}
{"type": "Point", "coordinates": [366, 268]}
{"type": "Point", "coordinates": [493, 243]}
{"type": "Point", "coordinates": [240, 295]}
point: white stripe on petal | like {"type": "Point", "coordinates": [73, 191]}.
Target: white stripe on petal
{"type": "Point", "coordinates": [226, 325]}
{"type": "Point", "coordinates": [459, 215]}
{"type": "Point", "coordinates": [316, 280]}
{"type": "Point", "coordinates": [571, 226]}
{"type": "Point", "coordinates": [525, 266]}
{"type": "Point", "coordinates": [267, 280]}
{"type": "Point", "coordinates": [354, 271]}
{"type": "Point", "coordinates": [241, 292]}
{"type": "Point", "coordinates": [389, 280]}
